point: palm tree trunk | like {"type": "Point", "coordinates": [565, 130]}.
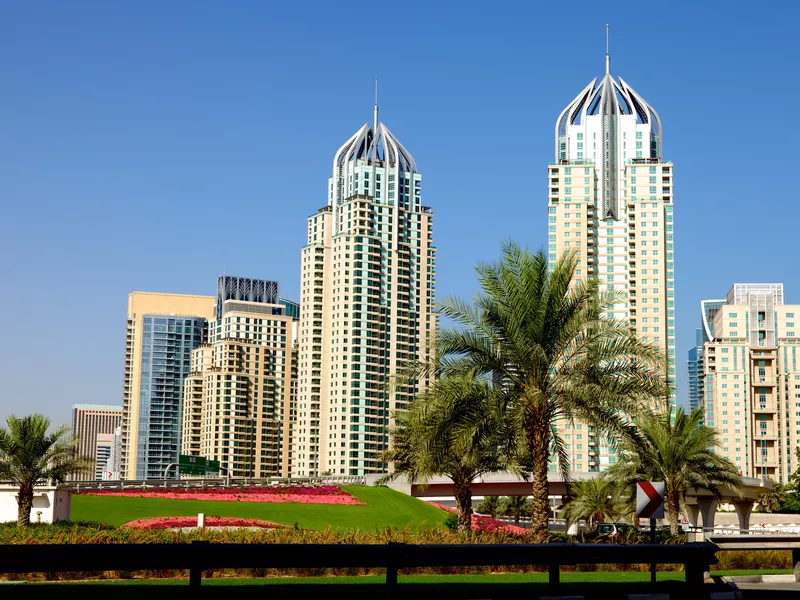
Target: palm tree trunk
{"type": "Point", "coordinates": [24, 504]}
{"type": "Point", "coordinates": [516, 516]}
{"type": "Point", "coordinates": [674, 510]}
{"type": "Point", "coordinates": [463, 493]}
{"type": "Point", "coordinates": [540, 502]}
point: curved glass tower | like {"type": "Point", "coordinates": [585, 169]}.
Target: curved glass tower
{"type": "Point", "coordinates": [610, 202]}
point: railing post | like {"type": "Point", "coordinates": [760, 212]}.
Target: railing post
{"type": "Point", "coordinates": [391, 581]}
{"type": "Point", "coordinates": [555, 574]}
{"type": "Point", "coordinates": [695, 573]}
{"type": "Point", "coordinates": [196, 570]}
{"type": "Point", "coordinates": [391, 570]}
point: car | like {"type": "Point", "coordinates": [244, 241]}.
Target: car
{"type": "Point", "coordinates": [614, 529]}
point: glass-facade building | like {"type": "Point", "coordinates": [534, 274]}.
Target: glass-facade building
{"type": "Point", "coordinates": [708, 310]}
{"type": "Point", "coordinates": [695, 369]}
{"type": "Point", "coordinates": [167, 344]}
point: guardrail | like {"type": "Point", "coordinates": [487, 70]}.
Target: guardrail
{"type": "Point", "coordinates": [761, 542]}
{"type": "Point", "coordinates": [200, 556]}
{"type": "Point", "coordinates": [210, 482]}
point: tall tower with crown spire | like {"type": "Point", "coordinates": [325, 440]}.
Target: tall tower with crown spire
{"type": "Point", "coordinates": [367, 283]}
{"type": "Point", "coordinates": [610, 202]}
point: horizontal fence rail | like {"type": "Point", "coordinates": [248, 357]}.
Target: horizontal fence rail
{"type": "Point", "coordinates": [190, 482]}
{"type": "Point", "coordinates": [199, 556]}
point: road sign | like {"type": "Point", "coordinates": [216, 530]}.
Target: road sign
{"type": "Point", "coordinates": [650, 499]}
{"type": "Point", "coordinates": [192, 465]}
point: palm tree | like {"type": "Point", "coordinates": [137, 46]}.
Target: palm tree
{"type": "Point", "coordinates": [596, 501]}
{"type": "Point", "coordinates": [490, 505]}
{"type": "Point", "coordinates": [772, 500]}
{"type": "Point", "coordinates": [456, 428]}
{"type": "Point", "coordinates": [545, 337]}
{"type": "Point", "coordinates": [30, 457]}
{"type": "Point", "coordinates": [515, 506]}
{"type": "Point", "coordinates": [678, 450]}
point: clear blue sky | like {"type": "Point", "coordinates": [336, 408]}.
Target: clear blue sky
{"type": "Point", "coordinates": [153, 145]}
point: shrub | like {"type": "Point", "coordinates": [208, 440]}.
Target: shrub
{"type": "Point", "coordinates": [451, 522]}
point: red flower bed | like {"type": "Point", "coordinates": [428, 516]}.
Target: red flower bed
{"type": "Point", "coordinates": [173, 522]}
{"type": "Point", "coordinates": [324, 494]}
{"type": "Point", "coordinates": [488, 524]}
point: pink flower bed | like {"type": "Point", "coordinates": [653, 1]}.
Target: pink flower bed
{"type": "Point", "coordinates": [481, 523]}
{"type": "Point", "coordinates": [324, 494]}
{"type": "Point", "coordinates": [172, 522]}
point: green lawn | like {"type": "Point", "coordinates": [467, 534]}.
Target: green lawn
{"type": "Point", "coordinates": [385, 507]}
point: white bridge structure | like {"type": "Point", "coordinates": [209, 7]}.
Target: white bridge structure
{"type": "Point", "coordinates": [701, 506]}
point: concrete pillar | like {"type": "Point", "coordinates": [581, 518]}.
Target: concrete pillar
{"type": "Point", "coordinates": [743, 510]}
{"type": "Point", "coordinates": [572, 528]}
{"type": "Point", "coordinates": [201, 520]}
{"type": "Point", "coordinates": [708, 509]}
{"type": "Point", "coordinates": [693, 515]}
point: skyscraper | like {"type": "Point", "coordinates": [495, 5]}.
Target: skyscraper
{"type": "Point", "coordinates": [88, 422]}
{"type": "Point", "coordinates": [162, 331]}
{"type": "Point", "coordinates": [610, 203]}
{"type": "Point", "coordinates": [238, 400]}
{"type": "Point", "coordinates": [368, 278]}
{"type": "Point", "coordinates": [708, 309]}
{"type": "Point", "coordinates": [695, 372]}
{"type": "Point", "coordinates": [751, 377]}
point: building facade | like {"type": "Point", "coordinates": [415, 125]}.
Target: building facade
{"type": "Point", "coordinates": [751, 388]}
{"type": "Point", "coordinates": [611, 204]}
{"type": "Point", "coordinates": [696, 379]}
{"type": "Point", "coordinates": [113, 464]}
{"type": "Point", "coordinates": [162, 331]}
{"type": "Point", "coordinates": [695, 372]}
{"type": "Point", "coordinates": [238, 399]}
{"type": "Point", "coordinates": [88, 422]}
{"type": "Point", "coordinates": [368, 278]}
{"type": "Point", "coordinates": [104, 447]}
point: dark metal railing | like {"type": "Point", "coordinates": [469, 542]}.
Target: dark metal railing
{"type": "Point", "coordinates": [199, 556]}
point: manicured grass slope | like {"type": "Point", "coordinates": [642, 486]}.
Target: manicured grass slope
{"type": "Point", "coordinates": [385, 507]}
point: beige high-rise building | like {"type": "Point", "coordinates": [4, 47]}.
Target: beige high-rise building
{"type": "Point", "coordinates": [89, 423]}
{"type": "Point", "coordinates": [751, 387]}
{"type": "Point", "coordinates": [610, 203]}
{"type": "Point", "coordinates": [367, 290]}
{"type": "Point", "coordinates": [238, 400]}
{"type": "Point", "coordinates": [162, 331]}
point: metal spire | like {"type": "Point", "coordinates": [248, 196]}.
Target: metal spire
{"type": "Point", "coordinates": [608, 56]}
{"type": "Point", "coordinates": [375, 111]}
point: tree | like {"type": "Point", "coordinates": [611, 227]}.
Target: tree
{"type": "Point", "coordinates": [596, 500]}
{"type": "Point", "coordinates": [455, 428]}
{"type": "Point", "coordinates": [772, 500]}
{"type": "Point", "coordinates": [794, 481]}
{"type": "Point", "coordinates": [678, 450]}
{"type": "Point", "coordinates": [490, 505]}
{"type": "Point", "coordinates": [545, 337]}
{"type": "Point", "coordinates": [29, 456]}
{"type": "Point", "coordinates": [515, 506]}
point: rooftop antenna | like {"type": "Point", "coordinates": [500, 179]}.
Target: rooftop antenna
{"type": "Point", "coordinates": [608, 56]}
{"type": "Point", "coordinates": [375, 111]}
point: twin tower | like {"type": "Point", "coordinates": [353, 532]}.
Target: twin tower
{"type": "Point", "coordinates": [368, 274]}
